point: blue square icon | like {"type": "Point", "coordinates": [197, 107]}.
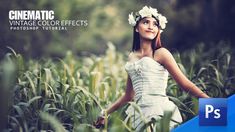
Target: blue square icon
{"type": "Point", "coordinates": [212, 111]}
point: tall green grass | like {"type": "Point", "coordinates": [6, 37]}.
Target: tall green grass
{"type": "Point", "coordinates": [67, 94]}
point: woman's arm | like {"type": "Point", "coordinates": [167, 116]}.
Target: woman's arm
{"type": "Point", "coordinates": [128, 96]}
{"type": "Point", "coordinates": [167, 60]}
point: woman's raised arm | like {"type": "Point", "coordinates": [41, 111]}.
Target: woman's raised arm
{"type": "Point", "coordinates": [167, 60]}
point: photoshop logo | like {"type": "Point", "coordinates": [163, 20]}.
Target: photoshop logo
{"type": "Point", "coordinates": [212, 111]}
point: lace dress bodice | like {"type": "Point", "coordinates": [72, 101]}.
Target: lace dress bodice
{"type": "Point", "coordinates": [149, 80]}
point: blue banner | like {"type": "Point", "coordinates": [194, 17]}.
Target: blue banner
{"type": "Point", "coordinates": [193, 124]}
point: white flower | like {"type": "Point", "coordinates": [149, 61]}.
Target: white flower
{"type": "Point", "coordinates": [145, 12]}
{"type": "Point", "coordinates": [153, 11]}
{"type": "Point", "coordinates": [131, 19]}
{"type": "Point", "coordinates": [162, 21]}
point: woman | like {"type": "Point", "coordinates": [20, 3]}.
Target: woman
{"type": "Point", "coordinates": [148, 68]}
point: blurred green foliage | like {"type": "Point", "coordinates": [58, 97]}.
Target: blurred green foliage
{"type": "Point", "coordinates": [67, 94]}
{"type": "Point", "coordinates": [189, 23]}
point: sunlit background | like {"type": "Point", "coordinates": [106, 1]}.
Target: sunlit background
{"type": "Point", "coordinates": [210, 22]}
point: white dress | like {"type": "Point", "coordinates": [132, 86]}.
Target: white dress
{"type": "Point", "coordinates": [149, 79]}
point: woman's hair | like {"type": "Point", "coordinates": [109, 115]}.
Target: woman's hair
{"type": "Point", "coordinates": [156, 42]}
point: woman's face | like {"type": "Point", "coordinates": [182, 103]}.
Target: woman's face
{"type": "Point", "coordinates": [147, 28]}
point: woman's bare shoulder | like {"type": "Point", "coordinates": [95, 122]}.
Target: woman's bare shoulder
{"type": "Point", "coordinates": [161, 54]}
{"type": "Point", "coordinates": [162, 50]}
{"type": "Point", "coordinates": [132, 56]}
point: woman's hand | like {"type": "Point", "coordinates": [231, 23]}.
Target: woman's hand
{"type": "Point", "coordinates": [100, 122]}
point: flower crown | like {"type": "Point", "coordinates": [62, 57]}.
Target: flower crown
{"type": "Point", "coordinates": [147, 12]}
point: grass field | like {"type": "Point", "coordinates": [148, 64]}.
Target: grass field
{"type": "Point", "coordinates": [67, 94]}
